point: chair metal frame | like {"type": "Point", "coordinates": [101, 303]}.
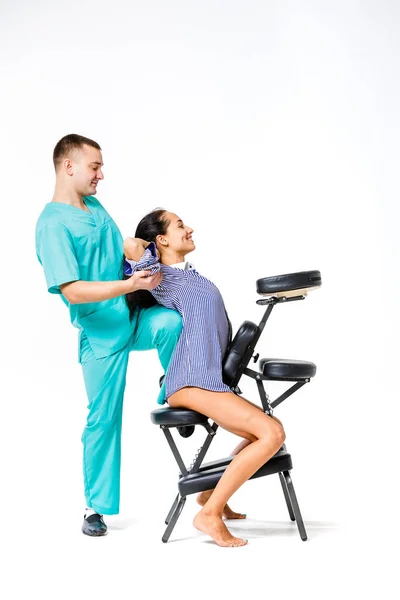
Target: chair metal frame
{"type": "Point", "coordinates": [197, 466]}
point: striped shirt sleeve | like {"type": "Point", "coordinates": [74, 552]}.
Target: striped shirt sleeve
{"type": "Point", "coordinates": [148, 262]}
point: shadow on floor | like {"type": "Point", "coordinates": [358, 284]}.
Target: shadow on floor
{"type": "Point", "coordinates": [253, 528]}
{"type": "Point", "coordinates": [121, 524]}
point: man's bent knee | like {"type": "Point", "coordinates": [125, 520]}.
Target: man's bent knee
{"type": "Point", "coordinates": [167, 323]}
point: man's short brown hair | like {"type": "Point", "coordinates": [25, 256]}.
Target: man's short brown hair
{"type": "Point", "coordinates": [69, 143]}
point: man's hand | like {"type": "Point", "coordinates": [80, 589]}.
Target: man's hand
{"type": "Point", "coordinates": [141, 280]}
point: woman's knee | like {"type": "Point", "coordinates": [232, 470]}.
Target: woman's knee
{"type": "Point", "coordinates": [273, 432]}
{"type": "Point", "coordinates": [279, 435]}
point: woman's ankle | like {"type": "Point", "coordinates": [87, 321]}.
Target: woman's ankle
{"type": "Point", "coordinates": [211, 512]}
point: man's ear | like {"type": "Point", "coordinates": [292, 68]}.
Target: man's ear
{"type": "Point", "coordinates": [68, 166]}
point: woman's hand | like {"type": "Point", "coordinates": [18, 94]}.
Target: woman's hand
{"type": "Point", "coordinates": [134, 248]}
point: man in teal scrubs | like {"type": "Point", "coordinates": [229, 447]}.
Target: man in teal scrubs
{"type": "Point", "coordinates": [81, 250]}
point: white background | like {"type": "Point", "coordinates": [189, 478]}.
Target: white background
{"type": "Point", "coordinates": [272, 128]}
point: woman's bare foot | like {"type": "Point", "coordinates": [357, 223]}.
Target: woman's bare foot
{"type": "Point", "coordinates": [228, 513]}
{"type": "Point", "coordinates": [215, 527]}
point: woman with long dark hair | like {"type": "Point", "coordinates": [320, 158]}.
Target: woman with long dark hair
{"type": "Point", "coordinates": [194, 376]}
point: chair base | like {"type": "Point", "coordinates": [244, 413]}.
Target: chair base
{"type": "Point", "coordinates": [210, 473]}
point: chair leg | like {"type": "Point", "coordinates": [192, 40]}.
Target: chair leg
{"type": "Point", "coordinates": [174, 504]}
{"type": "Point", "coordinates": [174, 518]}
{"type": "Point", "coordinates": [287, 497]}
{"type": "Point", "coordinates": [295, 505]}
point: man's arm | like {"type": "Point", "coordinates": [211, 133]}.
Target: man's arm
{"type": "Point", "coordinates": [80, 292]}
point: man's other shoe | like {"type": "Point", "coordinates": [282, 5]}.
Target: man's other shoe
{"type": "Point", "coordinates": [94, 525]}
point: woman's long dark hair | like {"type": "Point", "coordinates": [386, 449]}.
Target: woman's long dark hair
{"type": "Point", "coordinates": [152, 225]}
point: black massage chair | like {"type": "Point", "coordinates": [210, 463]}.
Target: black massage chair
{"type": "Point", "coordinates": [200, 477]}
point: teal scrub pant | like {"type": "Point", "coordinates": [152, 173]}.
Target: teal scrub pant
{"type": "Point", "coordinates": [105, 378]}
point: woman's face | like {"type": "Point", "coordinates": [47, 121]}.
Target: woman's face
{"type": "Point", "coordinates": [178, 235]}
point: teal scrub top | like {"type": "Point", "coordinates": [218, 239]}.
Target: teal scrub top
{"type": "Point", "coordinates": [72, 245]}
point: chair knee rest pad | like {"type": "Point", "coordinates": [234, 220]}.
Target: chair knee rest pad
{"type": "Point", "coordinates": [210, 474]}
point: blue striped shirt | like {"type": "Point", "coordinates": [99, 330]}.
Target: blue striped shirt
{"type": "Point", "coordinates": [197, 359]}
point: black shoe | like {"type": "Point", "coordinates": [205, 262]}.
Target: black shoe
{"type": "Point", "coordinates": [94, 525]}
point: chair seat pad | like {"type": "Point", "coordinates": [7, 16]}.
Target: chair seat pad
{"type": "Point", "coordinates": [174, 417]}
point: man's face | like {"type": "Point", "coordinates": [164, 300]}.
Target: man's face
{"type": "Point", "coordinates": [86, 166]}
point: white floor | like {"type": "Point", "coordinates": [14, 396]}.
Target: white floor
{"type": "Point", "coordinates": [47, 557]}
{"type": "Point", "coordinates": [345, 499]}
{"type": "Point", "coordinates": [342, 473]}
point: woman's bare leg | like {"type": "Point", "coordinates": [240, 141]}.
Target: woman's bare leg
{"type": "Point", "coordinates": [203, 497]}
{"type": "Point", "coordinates": [245, 420]}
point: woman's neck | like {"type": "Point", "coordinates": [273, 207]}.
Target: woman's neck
{"type": "Point", "coordinates": [172, 259]}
